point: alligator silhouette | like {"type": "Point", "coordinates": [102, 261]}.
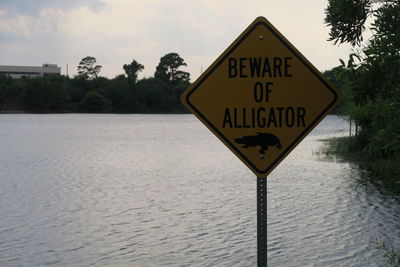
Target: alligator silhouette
{"type": "Point", "coordinates": [263, 140]}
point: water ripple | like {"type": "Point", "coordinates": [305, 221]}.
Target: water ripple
{"type": "Point", "coordinates": [160, 190]}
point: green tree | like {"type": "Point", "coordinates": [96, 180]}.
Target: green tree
{"type": "Point", "coordinates": [132, 71]}
{"type": "Point", "coordinates": [87, 68]}
{"type": "Point", "coordinates": [346, 19]}
{"type": "Point", "coordinates": [153, 94]}
{"type": "Point", "coordinates": [120, 93]}
{"type": "Point", "coordinates": [374, 74]}
{"type": "Point", "coordinates": [95, 102]}
{"type": "Point", "coordinates": [168, 69]}
{"type": "Point", "coordinates": [46, 94]}
{"type": "Point", "coordinates": [11, 94]}
{"type": "Point", "coordinates": [372, 79]}
{"type": "Point", "coordinates": [59, 93]}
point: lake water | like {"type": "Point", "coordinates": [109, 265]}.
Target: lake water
{"type": "Point", "coordinates": [161, 190]}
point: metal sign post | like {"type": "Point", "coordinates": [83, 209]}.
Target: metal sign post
{"type": "Point", "coordinates": [262, 222]}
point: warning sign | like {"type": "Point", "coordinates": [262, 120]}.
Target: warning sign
{"type": "Point", "coordinates": [261, 97]}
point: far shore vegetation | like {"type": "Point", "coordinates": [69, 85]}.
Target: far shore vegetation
{"type": "Point", "coordinates": [89, 92]}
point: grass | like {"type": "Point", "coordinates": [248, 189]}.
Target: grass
{"type": "Point", "coordinates": [392, 257]}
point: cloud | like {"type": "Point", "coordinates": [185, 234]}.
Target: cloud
{"type": "Point", "coordinates": [22, 25]}
{"type": "Point", "coordinates": [117, 31]}
{"type": "Point", "coordinates": [33, 8]}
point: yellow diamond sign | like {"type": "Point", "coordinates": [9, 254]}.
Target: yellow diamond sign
{"type": "Point", "coordinates": [261, 97]}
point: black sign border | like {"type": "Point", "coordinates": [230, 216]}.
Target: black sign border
{"type": "Point", "coordinates": [306, 130]}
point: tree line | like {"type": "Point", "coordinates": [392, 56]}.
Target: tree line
{"type": "Point", "coordinates": [89, 92]}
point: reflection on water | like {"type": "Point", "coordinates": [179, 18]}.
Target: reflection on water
{"type": "Point", "coordinates": [160, 190]}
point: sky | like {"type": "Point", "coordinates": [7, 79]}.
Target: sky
{"type": "Point", "coordinates": [115, 32]}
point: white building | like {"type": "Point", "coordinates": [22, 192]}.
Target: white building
{"type": "Point", "coordinates": [30, 71]}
